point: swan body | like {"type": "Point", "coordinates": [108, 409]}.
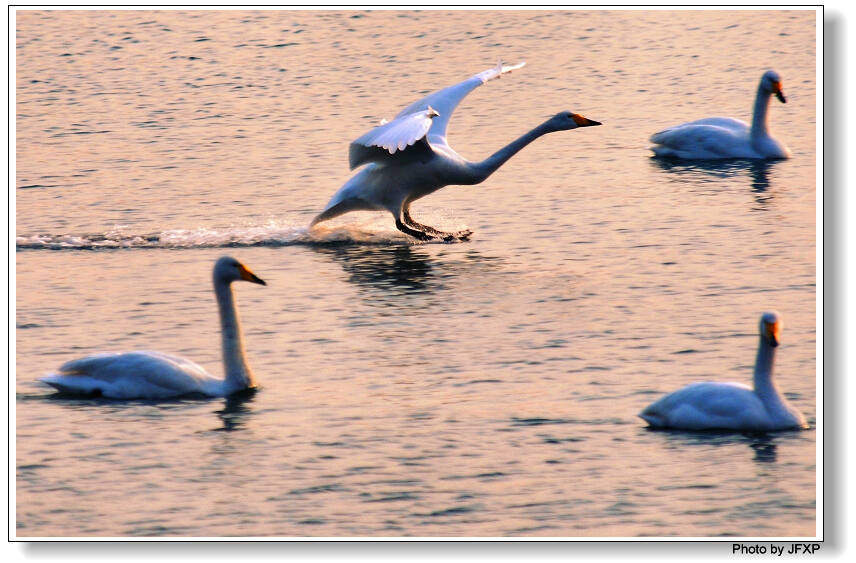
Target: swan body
{"type": "Point", "coordinates": [408, 158]}
{"type": "Point", "coordinates": [155, 375]}
{"type": "Point", "coordinates": [726, 137]}
{"type": "Point", "coordinates": [731, 406]}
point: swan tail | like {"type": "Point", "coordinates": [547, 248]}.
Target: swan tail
{"type": "Point", "coordinates": [340, 208]}
{"type": "Point", "coordinates": [657, 137]}
{"type": "Point", "coordinates": [666, 136]}
{"type": "Point", "coordinates": [652, 419]}
{"type": "Point", "coordinates": [73, 385]}
{"type": "Point", "coordinates": [665, 152]}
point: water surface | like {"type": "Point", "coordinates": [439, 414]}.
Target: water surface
{"type": "Point", "coordinates": [487, 388]}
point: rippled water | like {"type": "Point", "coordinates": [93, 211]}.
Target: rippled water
{"type": "Point", "coordinates": [486, 388]}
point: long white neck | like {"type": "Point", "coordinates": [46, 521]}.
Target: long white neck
{"type": "Point", "coordinates": [485, 168]}
{"type": "Point", "coordinates": [237, 370]}
{"type": "Point", "coordinates": [765, 387]}
{"type": "Point", "coordinates": [759, 114]}
{"type": "Point", "coordinates": [780, 411]}
{"type": "Point", "coordinates": [763, 378]}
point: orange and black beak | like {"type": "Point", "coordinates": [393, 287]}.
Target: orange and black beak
{"type": "Point", "coordinates": [584, 121]}
{"type": "Point", "coordinates": [247, 275]}
{"type": "Point", "coordinates": [774, 333]}
{"type": "Point", "coordinates": [777, 90]}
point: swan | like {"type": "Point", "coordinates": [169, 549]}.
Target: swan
{"type": "Point", "coordinates": [409, 158]}
{"type": "Point", "coordinates": [726, 137]}
{"type": "Point", "coordinates": [731, 406]}
{"type": "Point", "coordinates": [155, 375]}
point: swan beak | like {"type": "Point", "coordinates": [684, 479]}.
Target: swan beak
{"type": "Point", "coordinates": [583, 121]}
{"type": "Point", "coordinates": [247, 275]}
{"type": "Point", "coordinates": [777, 90]}
{"type": "Point", "coordinates": [774, 332]}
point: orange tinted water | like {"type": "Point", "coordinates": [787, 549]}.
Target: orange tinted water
{"type": "Point", "coordinates": [487, 388]}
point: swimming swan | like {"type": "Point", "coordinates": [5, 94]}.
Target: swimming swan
{"type": "Point", "coordinates": [409, 158]}
{"type": "Point", "coordinates": [726, 137]}
{"type": "Point", "coordinates": [731, 406]}
{"type": "Point", "coordinates": [154, 375]}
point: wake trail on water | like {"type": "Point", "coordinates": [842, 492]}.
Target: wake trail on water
{"type": "Point", "coordinates": [271, 235]}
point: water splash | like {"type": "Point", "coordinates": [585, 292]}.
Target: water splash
{"type": "Point", "coordinates": [270, 234]}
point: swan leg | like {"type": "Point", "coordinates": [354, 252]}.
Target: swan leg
{"type": "Point", "coordinates": [448, 237]}
{"type": "Point", "coordinates": [421, 235]}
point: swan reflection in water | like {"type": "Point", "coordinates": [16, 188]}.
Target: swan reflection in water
{"type": "Point", "coordinates": [402, 269]}
{"type": "Point", "coordinates": [707, 171]}
{"type": "Point", "coordinates": [235, 410]}
{"type": "Point", "coordinates": [232, 416]}
{"type": "Point", "coordinates": [764, 446]}
{"type": "Point", "coordinates": [399, 269]}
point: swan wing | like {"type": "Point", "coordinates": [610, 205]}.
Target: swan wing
{"type": "Point", "coordinates": [446, 100]}
{"type": "Point", "coordinates": [138, 375]}
{"type": "Point", "coordinates": [730, 123]}
{"type": "Point", "coordinates": [382, 142]}
{"type": "Point", "coordinates": [708, 405]}
{"type": "Point", "coordinates": [713, 138]}
{"type": "Point", "coordinates": [430, 116]}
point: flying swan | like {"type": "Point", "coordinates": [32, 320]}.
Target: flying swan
{"type": "Point", "coordinates": [726, 137]}
{"type": "Point", "coordinates": [409, 158]}
{"type": "Point", "coordinates": [154, 375]}
{"type": "Point", "coordinates": [731, 406]}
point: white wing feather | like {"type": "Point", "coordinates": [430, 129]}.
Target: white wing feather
{"type": "Point", "coordinates": [498, 71]}
{"type": "Point", "coordinates": [399, 133]}
{"type": "Point", "coordinates": [705, 138]}
{"type": "Point", "coordinates": [143, 374]}
{"type": "Point", "coordinates": [427, 117]}
{"type": "Point", "coordinates": [446, 100]}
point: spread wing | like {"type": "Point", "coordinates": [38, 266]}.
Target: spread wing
{"type": "Point", "coordinates": [446, 100]}
{"type": "Point", "coordinates": [383, 141]}
{"type": "Point", "coordinates": [428, 118]}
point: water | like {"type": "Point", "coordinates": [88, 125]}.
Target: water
{"type": "Point", "coordinates": [486, 388]}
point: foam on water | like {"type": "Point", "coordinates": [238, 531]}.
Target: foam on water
{"type": "Point", "coordinates": [270, 234]}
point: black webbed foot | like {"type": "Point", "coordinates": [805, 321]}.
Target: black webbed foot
{"type": "Point", "coordinates": [408, 223]}
{"type": "Point", "coordinates": [417, 234]}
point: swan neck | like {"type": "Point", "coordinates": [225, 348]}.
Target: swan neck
{"type": "Point", "coordinates": [759, 113]}
{"type": "Point", "coordinates": [237, 370]}
{"type": "Point", "coordinates": [491, 164]}
{"type": "Point", "coordinates": [763, 380]}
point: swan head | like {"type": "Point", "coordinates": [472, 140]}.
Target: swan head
{"type": "Point", "coordinates": [771, 328]}
{"type": "Point", "coordinates": [771, 82]}
{"type": "Point", "coordinates": [568, 120]}
{"type": "Point", "coordinates": [228, 269]}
